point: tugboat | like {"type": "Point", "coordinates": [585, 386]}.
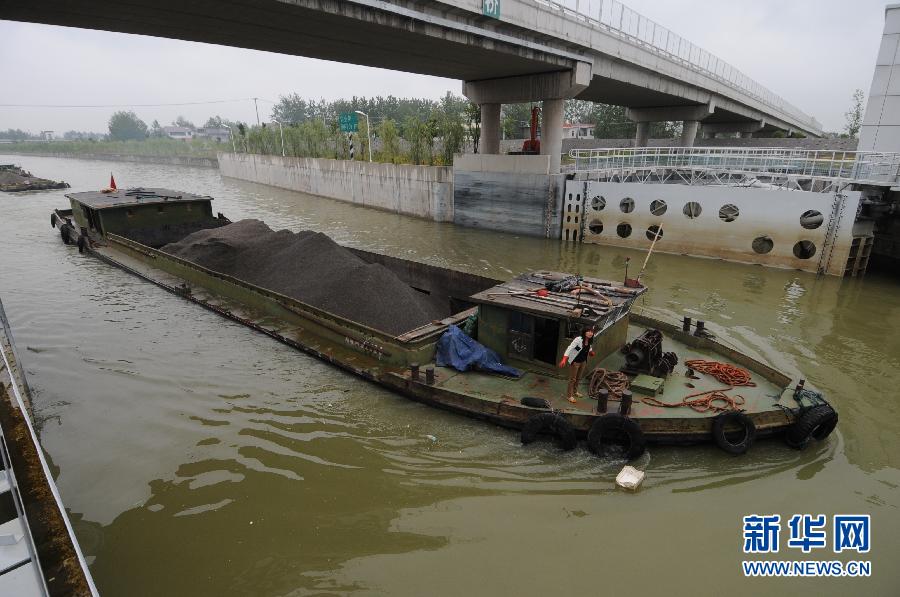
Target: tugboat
{"type": "Point", "coordinates": [495, 351]}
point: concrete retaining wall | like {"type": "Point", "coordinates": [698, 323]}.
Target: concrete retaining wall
{"type": "Point", "coordinates": [754, 213]}
{"type": "Point", "coordinates": [508, 193]}
{"type": "Point", "coordinates": [422, 191]}
{"type": "Point", "coordinates": [171, 160]}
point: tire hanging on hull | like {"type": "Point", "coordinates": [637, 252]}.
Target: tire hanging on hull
{"type": "Point", "coordinates": [613, 428]}
{"type": "Point", "coordinates": [815, 423]}
{"type": "Point", "coordinates": [550, 423]}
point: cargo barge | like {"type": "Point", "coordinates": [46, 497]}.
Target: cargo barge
{"type": "Point", "coordinates": [39, 553]}
{"type": "Point", "coordinates": [650, 380]}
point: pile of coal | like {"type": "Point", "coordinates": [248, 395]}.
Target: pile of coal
{"type": "Point", "coordinates": [312, 268]}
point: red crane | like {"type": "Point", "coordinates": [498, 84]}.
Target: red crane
{"type": "Point", "coordinates": [533, 145]}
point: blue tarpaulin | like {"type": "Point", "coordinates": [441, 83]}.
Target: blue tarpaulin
{"type": "Point", "coordinates": [455, 349]}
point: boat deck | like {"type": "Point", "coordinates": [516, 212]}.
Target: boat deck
{"type": "Point", "coordinates": [761, 398]}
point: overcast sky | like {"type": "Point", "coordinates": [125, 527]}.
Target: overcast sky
{"type": "Point", "coordinates": [814, 53]}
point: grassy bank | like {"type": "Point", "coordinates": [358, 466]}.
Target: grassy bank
{"type": "Point", "coordinates": [147, 147]}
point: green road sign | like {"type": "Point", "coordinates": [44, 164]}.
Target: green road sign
{"type": "Point", "coordinates": [349, 122]}
{"type": "Point", "coordinates": [490, 8]}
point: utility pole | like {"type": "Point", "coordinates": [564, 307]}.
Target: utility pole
{"type": "Point", "coordinates": [257, 109]}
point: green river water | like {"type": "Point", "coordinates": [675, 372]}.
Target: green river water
{"type": "Point", "coordinates": [198, 457]}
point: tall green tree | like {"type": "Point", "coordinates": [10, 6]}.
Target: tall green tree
{"type": "Point", "coordinates": [854, 115]}
{"type": "Point", "coordinates": [126, 126]}
{"type": "Point", "coordinates": [390, 141]}
{"type": "Point", "coordinates": [473, 119]}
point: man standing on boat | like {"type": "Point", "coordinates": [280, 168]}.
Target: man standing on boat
{"type": "Point", "coordinates": [575, 356]}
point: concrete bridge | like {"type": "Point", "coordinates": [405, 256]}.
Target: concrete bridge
{"type": "Point", "coordinates": [505, 51]}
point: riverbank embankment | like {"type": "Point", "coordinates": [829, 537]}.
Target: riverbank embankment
{"type": "Point", "coordinates": [170, 160]}
{"type": "Point", "coordinates": [421, 191]}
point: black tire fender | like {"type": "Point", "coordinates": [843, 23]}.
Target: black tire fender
{"type": "Point", "coordinates": [744, 442]}
{"type": "Point", "coordinates": [82, 243]}
{"type": "Point", "coordinates": [64, 234]}
{"type": "Point", "coordinates": [534, 402]}
{"type": "Point", "coordinates": [553, 424]}
{"type": "Point", "coordinates": [815, 423]}
{"type": "Point", "coordinates": [615, 426]}
{"type": "Point", "coordinates": [53, 220]}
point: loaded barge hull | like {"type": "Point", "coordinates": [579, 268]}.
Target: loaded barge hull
{"type": "Point", "coordinates": [405, 363]}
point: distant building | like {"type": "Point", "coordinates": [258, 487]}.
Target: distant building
{"type": "Point", "coordinates": [178, 132]}
{"type": "Point", "coordinates": [220, 135]}
{"type": "Point", "coordinates": [578, 131]}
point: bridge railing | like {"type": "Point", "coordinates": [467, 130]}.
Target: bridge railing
{"type": "Point", "coordinates": [620, 20]}
{"type": "Point", "coordinates": [872, 167]}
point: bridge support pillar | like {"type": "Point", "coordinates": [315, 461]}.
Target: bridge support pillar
{"type": "Point", "coordinates": [552, 88]}
{"type": "Point", "coordinates": [689, 132]}
{"type": "Point", "coordinates": [489, 141]}
{"type": "Point", "coordinates": [745, 128]}
{"type": "Point", "coordinates": [691, 115]}
{"type": "Point", "coordinates": [642, 137]}
{"type": "Point", "coordinates": [552, 120]}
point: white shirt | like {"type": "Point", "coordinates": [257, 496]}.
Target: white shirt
{"type": "Point", "coordinates": [574, 348]}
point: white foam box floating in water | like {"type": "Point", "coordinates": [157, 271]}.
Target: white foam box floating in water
{"type": "Point", "coordinates": [630, 478]}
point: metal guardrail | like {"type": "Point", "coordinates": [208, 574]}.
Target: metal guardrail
{"type": "Point", "coordinates": [618, 19]}
{"type": "Point", "coordinates": [871, 167]}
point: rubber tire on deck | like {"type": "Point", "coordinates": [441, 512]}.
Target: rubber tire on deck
{"type": "Point", "coordinates": [82, 242]}
{"type": "Point", "coordinates": [550, 423]}
{"type": "Point", "coordinates": [718, 432]}
{"type": "Point", "coordinates": [815, 423]}
{"type": "Point", "coordinates": [616, 424]}
{"type": "Point", "coordinates": [534, 402]}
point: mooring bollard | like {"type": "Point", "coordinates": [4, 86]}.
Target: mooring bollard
{"type": "Point", "coordinates": [686, 324]}
{"type": "Point", "coordinates": [414, 371]}
{"type": "Point", "coordinates": [429, 376]}
{"type": "Point", "coordinates": [701, 328]}
{"type": "Point", "coordinates": [602, 400]}
{"type": "Point", "coordinates": [799, 387]}
{"type": "Point", "coordinates": [625, 406]}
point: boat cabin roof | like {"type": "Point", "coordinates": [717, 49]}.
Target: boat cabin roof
{"type": "Point", "coordinates": [135, 196]}
{"type": "Point", "coordinates": [601, 297]}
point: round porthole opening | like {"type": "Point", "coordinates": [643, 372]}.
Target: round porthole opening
{"type": "Point", "coordinates": [729, 212]}
{"type": "Point", "coordinates": [623, 230]}
{"type": "Point", "coordinates": [804, 249]}
{"type": "Point", "coordinates": [627, 205]}
{"type": "Point", "coordinates": [692, 210]}
{"type": "Point", "coordinates": [658, 207]}
{"type": "Point", "coordinates": [763, 244]}
{"type": "Point", "coordinates": [811, 219]}
{"type": "Point", "coordinates": [596, 226]}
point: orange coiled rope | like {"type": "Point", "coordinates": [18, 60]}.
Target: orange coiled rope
{"type": "Point", "coordinates": [729, 374]}
{"type": "Point", "coordinates": [711, 400]}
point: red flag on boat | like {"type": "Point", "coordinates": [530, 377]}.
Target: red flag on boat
{"type": "Point", "coordinates": [112, 181]}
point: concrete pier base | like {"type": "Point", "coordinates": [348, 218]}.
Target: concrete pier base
{"type": "Point", "coordinates": [552, 118]}
{"type": "Point", "coordinates": [489, 141]}
{"type": "Point", "coordinates": [642, 137]}
{"type": "Point", "coordinates": [689, 132]}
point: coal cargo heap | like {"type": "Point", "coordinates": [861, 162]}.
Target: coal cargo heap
{"type": "Point", "coordinates": [312, 268]}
